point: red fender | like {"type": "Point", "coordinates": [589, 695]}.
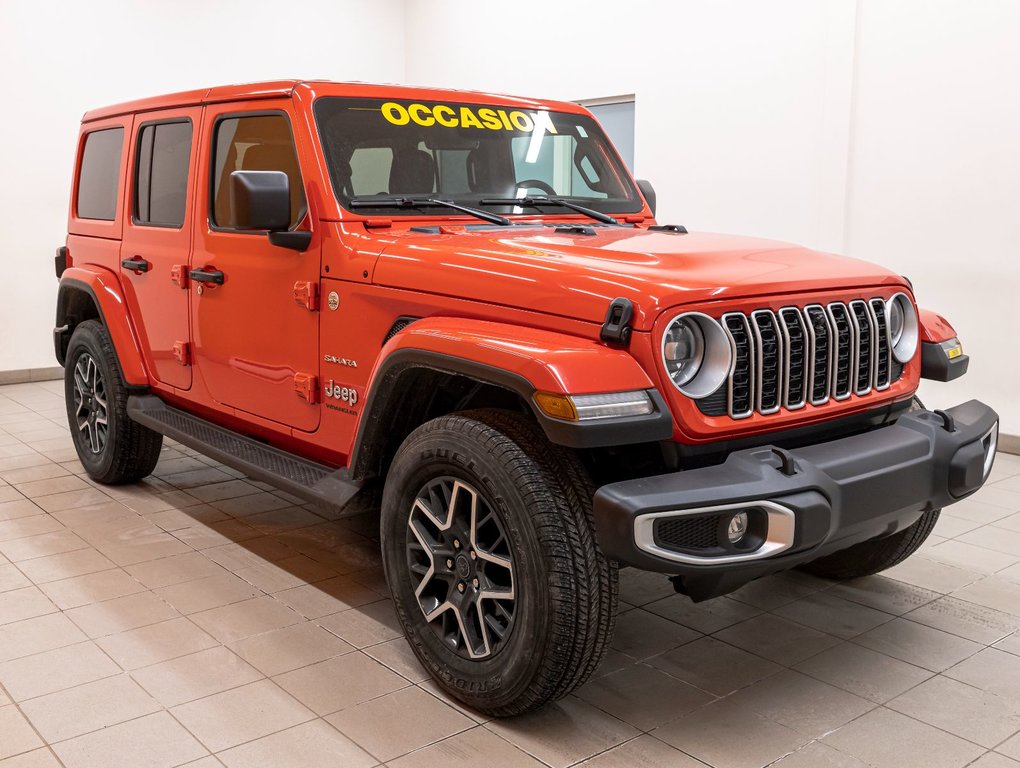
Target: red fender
{"type": "Point", "coordinates": [104, 287]}
{"type": "Point", "coordinates": [551, 361]}
{"type": "Point", "coordinates": [934, 327]}
{"type": "Point", "coordinates": [522, 359]}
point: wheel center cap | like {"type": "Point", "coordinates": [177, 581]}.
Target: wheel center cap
{"type": "Point", "coordinates": [463, 566]}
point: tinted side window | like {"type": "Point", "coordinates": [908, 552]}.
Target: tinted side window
{"type": "Point", "coordinates": [256, 143]}
{"type": "Point", "coordinates": [100, 175]}
{"type": "Point", "coordinates": [161, 177]}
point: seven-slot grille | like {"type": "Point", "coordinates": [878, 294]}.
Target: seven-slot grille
{"type": "Point", "coordinates": [796, 356]}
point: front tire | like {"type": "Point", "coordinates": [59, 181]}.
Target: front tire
{"type": "Point", "coordinates": [112, 448]}
{"type": "Point", "coordinates": [490, 555]}
{"type": "Point", "coordinates": [875, 555]}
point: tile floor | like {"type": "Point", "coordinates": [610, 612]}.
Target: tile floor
{"type": "Point", "coordinates": [203, 619]}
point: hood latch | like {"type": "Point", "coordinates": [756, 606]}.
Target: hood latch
{"type": "Point", "coordinates": [616, 329]}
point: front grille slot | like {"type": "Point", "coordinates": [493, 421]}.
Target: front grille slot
{"type": "Point", "coordinates": [820, 336]}
{"type": "Point", "coordinates": [799, 356]}
{"type": "Point", "coordinates": [798, 362]}
{"type": "Point", "coordinates": [770, 360]}
{"type": "Point", "coordinates": [882, 348]}
{"type": "Point", "coordinates": [844, 363]}
{"type": "Point", "coordinates": [865, 347]}
{"type": "Point", "coordinates": [741, 388]}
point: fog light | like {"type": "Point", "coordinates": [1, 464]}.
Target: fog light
{"type": "Point", "coordinates": [737, 528]}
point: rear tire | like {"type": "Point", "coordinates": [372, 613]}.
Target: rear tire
{"type": "Point", "coordinates": [517, 608]}
{"type": "Point", "coordinates": [112, 448]}
{"type": "Point", "coordinates": [876, 555]}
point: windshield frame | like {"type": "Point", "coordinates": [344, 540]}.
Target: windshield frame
{"type": "Point", "coordinates": [629, 205]}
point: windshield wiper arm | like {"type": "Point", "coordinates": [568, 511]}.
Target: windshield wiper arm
{"type": "Point", "coordinates": [536, 202]}
{"type": "Point", "coordinates": [427, 202]}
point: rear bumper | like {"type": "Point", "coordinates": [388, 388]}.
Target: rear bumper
{"type": "Point", "coordinates": [828, 497]}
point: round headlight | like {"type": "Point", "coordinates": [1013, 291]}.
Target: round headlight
{"type": "Point", "coordinates": [895, 321]}
{"type": "Point", "coordinates": [696, 353]}
{"type": "Point", "coordinates": [683, 349]}
{"type": "Point", "coordinates": [903, 329]}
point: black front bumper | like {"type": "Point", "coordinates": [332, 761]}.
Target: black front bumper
{"type": "Point", "coordinates": [827, 497]}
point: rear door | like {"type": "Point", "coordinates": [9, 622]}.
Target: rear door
{"type": "Point", "coordinates": [156, 246]}
{"type": "Point", "coordinates": [256, 345]}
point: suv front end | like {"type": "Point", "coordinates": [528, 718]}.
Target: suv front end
{"type": "Point", "coordinates": [823, 444]}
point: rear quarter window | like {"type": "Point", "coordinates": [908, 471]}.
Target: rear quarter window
{"type": "Point", "coordinates": [99, 177]}
{"type": "Point", "coordinates": [161, 174]}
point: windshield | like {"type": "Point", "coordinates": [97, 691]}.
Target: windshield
{"type": "Point", "coordinates": [467, 153]}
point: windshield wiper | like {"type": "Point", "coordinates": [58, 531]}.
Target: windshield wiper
{"type": "Point", "coordinates": [537, 202]}
{"type": "Point", "coordinates": [427, 202]}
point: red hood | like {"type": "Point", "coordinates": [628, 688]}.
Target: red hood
{"type": "Point", "coordinates": [576, 275]}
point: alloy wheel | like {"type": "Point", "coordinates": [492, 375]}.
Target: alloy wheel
{"type": "Point", "coordinates": [91, 413]}
{"type": "Point", "coordinates": [458, 552]}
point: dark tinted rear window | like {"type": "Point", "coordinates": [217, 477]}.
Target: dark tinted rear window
{"type": "Point", "coordinates": [161, 178]}
{"type": "Point", "coordinates": [100, 174]}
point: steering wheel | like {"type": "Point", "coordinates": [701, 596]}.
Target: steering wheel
{"type": "Point", "coordinates": [536, 184]}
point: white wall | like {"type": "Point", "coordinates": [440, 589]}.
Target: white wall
{"type": "Point", "coordinates": [58, 60]}
{"type": "Point", "coordinates": [935, 175]}
{"type": "Point", "coordinates": [740, 107]}
{"type": "Point", "coordinates": [886, 129]}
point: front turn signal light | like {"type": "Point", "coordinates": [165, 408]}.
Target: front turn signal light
{"type": "Point", "coordinates": [557, 406]}
{"type": "Point", "coordinates": [605, 405]}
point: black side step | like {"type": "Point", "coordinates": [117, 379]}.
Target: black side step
{"type": "Point", "coordinates": [300, 477]}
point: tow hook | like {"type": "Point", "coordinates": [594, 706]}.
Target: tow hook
{"type": "Point", "coordinates": [786, 463]}
{"type": "Point", "coordinates": [947, 421]}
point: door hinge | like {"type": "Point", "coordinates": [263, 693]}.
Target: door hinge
{"type": "Point", "coordinates": [179, 275]}
{"type": "Point", "coordinates": [306, 294]}
{"type": "Point", "coordinates": [307, 387]}
{"type": "Point", "coordinates": [182, 352]}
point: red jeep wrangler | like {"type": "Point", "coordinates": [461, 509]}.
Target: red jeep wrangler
{"type": "Point", "coordinates": [465, 298]}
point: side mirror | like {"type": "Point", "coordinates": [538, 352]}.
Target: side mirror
{"type": "Point", "coordinates": [649, 192]}
{"type": "Point", "coordinates": [260, 200]}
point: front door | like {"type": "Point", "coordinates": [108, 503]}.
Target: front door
{"type": "Point", "coordinates": [255, 347]}
{"type": "Point", "coordinates": [157, 238]}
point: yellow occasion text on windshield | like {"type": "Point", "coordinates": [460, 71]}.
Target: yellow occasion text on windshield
{"type": "Point", "coordinates": [465, 117]}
